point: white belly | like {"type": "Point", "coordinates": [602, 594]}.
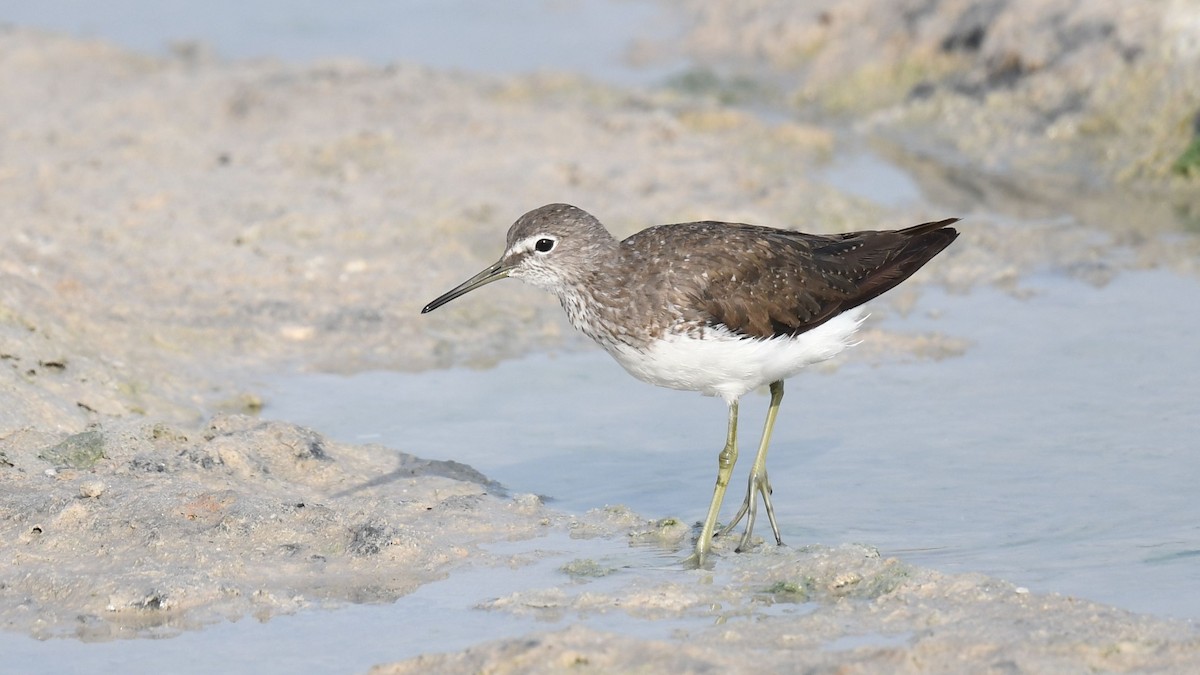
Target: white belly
{"type": "Point", "coordinates": [726, 365]}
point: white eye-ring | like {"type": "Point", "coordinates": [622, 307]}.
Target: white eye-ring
{"type": "Point", "coordinates": [543, 245]}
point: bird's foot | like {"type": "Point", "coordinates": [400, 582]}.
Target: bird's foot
{"type": "Point", "coordinates": [758, 485]}
{"type": "Point", "coordinates": [699, 559]}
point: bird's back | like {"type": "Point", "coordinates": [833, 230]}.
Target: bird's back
{"type": "Point", "coordinates": [762, 282]}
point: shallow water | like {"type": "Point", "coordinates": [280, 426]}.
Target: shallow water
{"type": "Point", "coordinates": [437, 617]}
{"type": "Point", "coordinates": [519, 36]}
{"type": "Point", "coordinates": [1058, 453]}
{"type": "Point", "coordinates": [863, 174]}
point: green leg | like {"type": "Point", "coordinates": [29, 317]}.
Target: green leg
{"type": "Point", "coordinates": [725, 462]}
{"type": "Point", "coordinates": [758, 483]}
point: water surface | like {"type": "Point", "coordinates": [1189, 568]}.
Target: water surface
{"type": "Point", "coordinates": [592, 37]}
{"type": "Point", "coordinates": [437, 617]}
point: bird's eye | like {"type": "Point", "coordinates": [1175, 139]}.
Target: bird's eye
{"type": "Point", "coordinates": [543, 245]}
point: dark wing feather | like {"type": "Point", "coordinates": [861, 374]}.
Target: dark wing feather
{"type": "Point", "coordinates": [764, 283]}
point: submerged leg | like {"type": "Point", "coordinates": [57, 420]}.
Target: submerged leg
{"type": "Point", "coordinates": [725, 462]}
{"type": "Point", "coordinates": [758, 483]}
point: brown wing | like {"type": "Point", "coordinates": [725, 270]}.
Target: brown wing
{"type": "Point", "coordinates": [767, 283]}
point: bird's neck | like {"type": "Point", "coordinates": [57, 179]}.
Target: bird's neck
{"type": "Point", "coordinates": [595, 305]}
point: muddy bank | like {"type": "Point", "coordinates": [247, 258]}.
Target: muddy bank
{"type": "Point", "coordinates": [171, 223]}
{"type": "Point", "coordinates": [1072, 96]}
{"type": "Point", "coordinates": [818, 609]}
{"type": "Point", "coordinates": [136, 529]}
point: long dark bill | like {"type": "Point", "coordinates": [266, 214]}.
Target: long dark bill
{"type": "Point", "coordinates": [493, 273]}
